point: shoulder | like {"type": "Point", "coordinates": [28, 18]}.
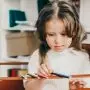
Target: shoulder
{"type": "Point", "coordinates": [34, 62]}
{"type": "Point", "coordinates": [35, 53]}
{"type": "Point", "coordinates": [80, 53]}
{"type": "Point", "coordinates": [34, 56]}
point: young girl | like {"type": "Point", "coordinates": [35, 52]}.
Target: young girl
{"type": "Point", "coordinates": [61, 34]}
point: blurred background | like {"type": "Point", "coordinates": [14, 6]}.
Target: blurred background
{"type": "Point", "coordinates": [17, 32]}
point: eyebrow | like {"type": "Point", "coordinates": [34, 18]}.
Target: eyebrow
{"type": "Point", "coordinates": [54, 32]}
{"type": "Point", "coordinates": [50, 32]}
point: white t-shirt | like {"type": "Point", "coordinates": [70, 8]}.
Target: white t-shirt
{"type": "Point", "coordinates": [68, 62]}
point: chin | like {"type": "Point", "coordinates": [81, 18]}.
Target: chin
{"type": "Point", "coordinates": [59, 50]}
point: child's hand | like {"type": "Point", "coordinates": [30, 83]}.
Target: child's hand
{"type": "Point", "coordinates": [74, 84]}
{"type": "Point", "coordinates": [44, 71]}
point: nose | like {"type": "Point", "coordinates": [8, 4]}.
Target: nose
{"type": "Point", "coordinates": [57, 39]}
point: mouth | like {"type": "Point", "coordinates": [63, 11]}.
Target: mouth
{"type": "Point", "coordinates": [58, 46]}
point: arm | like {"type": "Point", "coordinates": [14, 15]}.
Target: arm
{"type": "Point", "coordinates": [34, 63]}
{"type": "Point", "coordinates": [79, 83]}
{"type": "Point", "coordinates": [32, 67]}
{"type": "Point", "coordinates": [86, 64]}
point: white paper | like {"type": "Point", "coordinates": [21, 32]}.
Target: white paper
{"type": "Point", "coordinates": [56, 84]}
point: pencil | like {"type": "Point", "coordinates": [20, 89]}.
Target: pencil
{"type": "Point", "coordinates": [60, 75]}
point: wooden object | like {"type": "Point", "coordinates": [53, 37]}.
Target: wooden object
{"type": "Point", "coordinates": [16, 83]}
{"type": "Point", "coordinates": [14, 63]}
{"type": "Point", "coordinates": [10, 83]}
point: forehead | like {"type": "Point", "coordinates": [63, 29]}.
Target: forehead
{"type": "Point", "coordinates": [54, 25]}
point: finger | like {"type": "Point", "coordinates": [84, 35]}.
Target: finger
{"type": "Point", "coordinates": [49, 68]}
{"type": "Point", "coordinates": [73, 87]}
{"type": "Point", "coordinates": [41, 72]}
{"type": "Point", "coordinates": [40, 75]}
{"type": "Point", "coordinates": [81, 86]}
{"type": "Point", "coordinates": [74, 81]}
{"type": "Point", "coordinates": [46, 69]}
{"type": "Point", "coordinates": [82, 82]}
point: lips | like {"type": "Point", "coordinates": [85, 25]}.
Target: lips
{"type": "Point", "coordinates": [59, 46]}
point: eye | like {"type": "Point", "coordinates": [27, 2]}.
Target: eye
{"type": "Point", "coordinates": [50, 34]}
{"type": "Point", "coordinates": [63, 34]}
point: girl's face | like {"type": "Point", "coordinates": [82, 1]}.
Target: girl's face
{"type": "Point", "coordinates": [56, 37]}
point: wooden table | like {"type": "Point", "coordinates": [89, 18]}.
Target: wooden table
{"type": "Point", "coordinates": [16, 83]}
{"type": "Point", "coordinates": [11, 83]}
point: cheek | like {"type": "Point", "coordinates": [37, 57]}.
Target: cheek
{"type": "Point", "coordinates": [49, 41]}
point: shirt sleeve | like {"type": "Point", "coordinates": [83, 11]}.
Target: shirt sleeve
{"type": "Point", "coordinates": [32, 66]}
{"type": "Point", "coordinates": [34, 63]}
{"type": "Point", "coordinates": [87, 65]}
